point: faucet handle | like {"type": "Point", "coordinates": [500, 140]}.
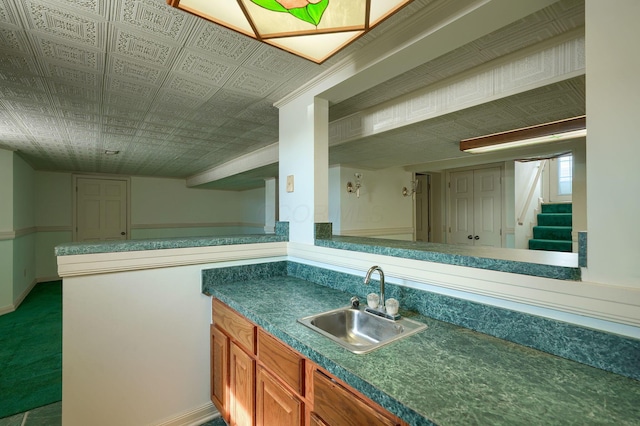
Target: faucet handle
{"type": "Point", "coordinates": [355, 302]}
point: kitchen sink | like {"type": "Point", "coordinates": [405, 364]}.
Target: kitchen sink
{"type": "Point", "coordinates": [359, 331]}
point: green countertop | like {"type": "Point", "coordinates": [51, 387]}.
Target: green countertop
{"type": "Point", "coordinates": [445, 375]}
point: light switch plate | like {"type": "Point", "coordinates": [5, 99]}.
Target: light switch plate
{"type": "Point", "coordinates": [290, 183]}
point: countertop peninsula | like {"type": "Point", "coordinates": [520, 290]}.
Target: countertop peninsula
{"type": "Point", "coordinates": [445, 375]}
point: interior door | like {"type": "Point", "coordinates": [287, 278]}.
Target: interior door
{"type": "Point", "coordinates": [461, 227]}
{"type": "Point", "coordinates": [487, 217]}
{"type": "Point", "coordinates": [101, 209]}
{"type": "Point", "coordinates": [476, 207]}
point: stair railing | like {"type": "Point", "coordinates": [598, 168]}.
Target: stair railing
{"type": "Point", "coordinates": [532, 190]}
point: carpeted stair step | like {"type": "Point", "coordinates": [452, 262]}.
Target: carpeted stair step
{"type": "Point", "coordinates": [557, 208]}
{"type": "Point", "coordinates": [552, 233]}
{"type": "Point", "coordinates": [554, 219]}
{"type": "Point", "coordinates": [550, 245]}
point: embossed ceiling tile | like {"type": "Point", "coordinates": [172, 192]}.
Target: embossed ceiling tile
{"type": "Point", "coordinates": [119, 121]}
{"type": "Point", "coordinates": [170, 121]}
{"type": "Point", "coordinates": [163, 129]}
{"type": "Point", "coordinates": [276, 62]}
{"type": "Point", "coordinates": [35, 95]}
{"type": "Point", "coordinates": [8, 14]}
{"type": "Point", "coordinates": [214, 70]}
{"type": "Point", "coordinates": [222, 42]}
{"type": "Point", "coordinates": [72, 75]}
{"type": "Point", "coordinates": [13, 40]}
{"type": "Point", "coordinates": [142, 46]}
{"type": "Point", "coordinates": [188, 134]}
{"type": "Point", "coordinates": [95, 7]}
{"type": "Point", "coordinates": [70, 90]}
{"type": "Point", "coordinates": [77, 104]}
{"type": "Point", "coordinates": [196, 88]}
{"type": "Point", "coordinates": [150, 134]}
{"type": "Point", "coordinates": [16, 63]}
{"type": "Point", "coordinates": [120, 111]}
{"type": "Point", "coordinates": [251, 83]}
{"type": "Point", "coordinates": [128, 87]}
{"type": "Point", "coordinates": [111, 131]}
{"type": "Point", "coordinates": [79, 116]}
{"type": "Point", "coordinates": [133, 102]}
{"type": "Point", "coordinates": [262, 112]}
{"type": "Point", "coordinates": [64, 23]}
{"type": "Point", "coordinates": [155, 17]}
{"type": "Point", "coordinates": [179, 101]}
{"type": "Point", "coordinates": [131, 68]}
{"type": "Point", "coordinates": [169, 109]}
{"type": "Point", "coordinates": [8, 78]}
{"type": "Point", "coordinates": [64, 52]}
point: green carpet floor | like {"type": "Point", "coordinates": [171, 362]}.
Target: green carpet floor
{"type": "Point", "coordinates": [31, 351]}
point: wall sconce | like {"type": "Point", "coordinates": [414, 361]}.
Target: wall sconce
{"type": "Point", "coordinates": [355, 188]}
{"type": "Point", "coordinates": [411, 192]}
{"type": "Point", "coordinates": [549, 132]}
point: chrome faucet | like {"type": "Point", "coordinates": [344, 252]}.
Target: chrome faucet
{"type": "Point", "coordinates": [367, 278]}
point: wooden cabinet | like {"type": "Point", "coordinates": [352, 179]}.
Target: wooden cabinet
{"type": "Point", "coordinates": [337, 405]}
{"type": "Point", "coordinates": [241, 387]}
{"type": "Point", "coordinates": [220, 371]}
{"type": "Point", "coordinates": [275, 405]}
{"type": "Point", "coordinates": [259, 380]}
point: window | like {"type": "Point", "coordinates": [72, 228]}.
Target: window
{"type": "Point", "coordinates": [565, 175]}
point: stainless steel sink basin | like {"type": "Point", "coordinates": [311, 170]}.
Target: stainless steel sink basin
{"type": "Point", "coordinates": [359, 331]}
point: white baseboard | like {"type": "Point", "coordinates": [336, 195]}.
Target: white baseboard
{"type": "Point", "coordinates": [195, 417]}
{"type": "Point", "coordinates": [24, 294]}
{"type": "Point", "coordinates": [6, 309]}
{"type": "Point", "coordinates": [10, 308]}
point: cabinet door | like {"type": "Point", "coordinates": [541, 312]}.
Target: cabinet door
{"type": "Point", "coordinates": [220, 371]}
{"type": "Point", "coordinates": [274, 404]}
{"type": "Point", "coordinates": [241, 387]}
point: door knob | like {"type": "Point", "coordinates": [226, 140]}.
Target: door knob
{"type": "Point", "coordinates": [476, 238]}
{"type": "Point", "coordinates": [123, 233]}
{"type": "Point", "coordinates": [470, 237]}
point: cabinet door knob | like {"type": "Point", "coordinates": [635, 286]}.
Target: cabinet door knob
{"type": "Point", "coordinates": [476, 238]}
{"type": "Point", "coordinates": [123, 233]}
{"type": "Point", "coordinates": [470, 237]}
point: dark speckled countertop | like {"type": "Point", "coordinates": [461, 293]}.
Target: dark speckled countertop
{"type": "Point", "coordinates": [445, 375]}
{"type": "Point", "coordinates": [162, 243]}
{"type": "Point", "coordinates": [557, 265]}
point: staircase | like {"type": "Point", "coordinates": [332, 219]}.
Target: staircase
{"type": "Point", "coordinates": [553, 232]}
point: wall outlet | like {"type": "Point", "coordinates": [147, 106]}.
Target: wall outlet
{"type": "Point", "coordinates": [290, 183]}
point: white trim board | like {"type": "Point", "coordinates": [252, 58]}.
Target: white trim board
{"type": "Point", "coordinates": [195, 417]}
{"type": "Point", "coordinates": [100, 263]}
{"type": "Point", "coordinates": [618, 304]}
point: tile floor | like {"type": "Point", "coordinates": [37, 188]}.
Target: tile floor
{"type": "Point", "coordinates": [51, 415]}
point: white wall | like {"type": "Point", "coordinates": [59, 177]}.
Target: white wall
{"type": "Point", "coordinates": [136, 347]}
{"type": "Point", "coordinates": [303, 154]}
{"type": "Point", "coordinates": [6, 231]}
{"type": "Point", "coordinates": [164, 201]}
{"type": "Point", "coordinates": [525, 174]}
{"type": "Point", "coordinates": [613, 180]}
{"type": "Point", "coordinates": [380, 211]}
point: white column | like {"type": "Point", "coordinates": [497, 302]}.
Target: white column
{"type": "Point", "coordinates": [613, 151]}
{"type": "Point", "coordinates": [270, 204]}
{"type": "Point", "coordinates": [304, 160]}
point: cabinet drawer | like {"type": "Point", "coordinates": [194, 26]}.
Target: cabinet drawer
{"type": "Point", "coordinates": [338, 406]}
{"type": "Point", "coordinates": [281, 360]}
{"type": "Point", "coordinates": [236, 326]}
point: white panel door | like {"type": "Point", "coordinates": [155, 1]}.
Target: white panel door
{"type": "Point", "coordinates": [101, 209]}
{"type": "Point", "coordinates": [476, 207]}
{"type": "Point", "coordinates": [487, 217]}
